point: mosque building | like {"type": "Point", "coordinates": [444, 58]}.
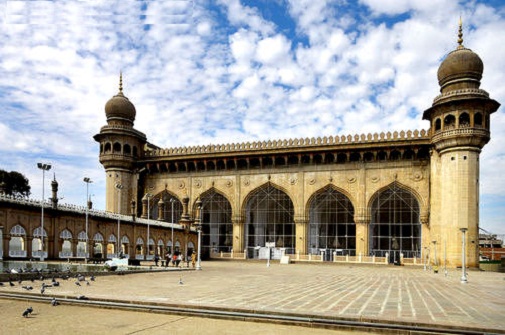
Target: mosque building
{"type": "Point", "coordinates": [411, 194]}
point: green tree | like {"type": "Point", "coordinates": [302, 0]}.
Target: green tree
{"type": "Point", "coordinates": [15, 184]}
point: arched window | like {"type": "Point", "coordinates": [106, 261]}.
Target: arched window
{"type": "Point", "coordinates": [477, 119]}
{"type": "Point", "coordinates": [438, 124]}
{"type": "Point", "coordinates": [116, 148]}
{"type": "Point", "coordinates": [395, 226]}
{"type": "Point", "coordinates": [66, 234]}
{"type": "Point", "coordinates": [331, 223]}
{"type": "Point", "coordinates": [108, 147]}
{"type": "Point", "coordinates": [395, 155]}
{"type": "Point", "coordinates": [449, 121]}
{"type": "Point", "coordinates": [464, 120]}
{"type": "Point", "coordinates": [269, 218]}
{"type": "Point", "coordinates": [217, 228]}
{"type": "Point", "coordinates": [127, 149]}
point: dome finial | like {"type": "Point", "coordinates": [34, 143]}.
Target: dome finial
{"type": "Point", "coordinates": [121, 82]}
{"type": "Point", "coordinates": [460, 34]}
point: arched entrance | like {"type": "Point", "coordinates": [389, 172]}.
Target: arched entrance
{"type": "Point", "coordinates": [395, 227]}
{"type": "Point", "coordinates": [217, 228]}
{"type": "Point", "coordinates": [331, 224]}
{"type": "Point", "coordinates": [66, 244]}
{"type": "Point", "coordinates": [269, 219]}
{"type": "Point", "coordinates": [17, 242]}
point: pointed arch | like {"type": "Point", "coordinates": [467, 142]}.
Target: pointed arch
{"type": "Point", "coordinates": [217, 227]}
{"type": "Point", "coordinates": [331, 222]}
{"type": "Point", "coordinates": [170, 200]}
{"type": "Point", "coordinates": [395, 225]}
{"type": "Point", "coordinates": [269, 217]}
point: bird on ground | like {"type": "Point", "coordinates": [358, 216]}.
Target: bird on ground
{"type": "Point", "coordinates": [80, 277]}
{"type": "Point", "coordinates": [27, 312]}
{"type": "Point", "coordinates": [1, 283]}
{"type": "Point", "coordinates": [87, 283]}
{"type": "Point", "coordinates": [28, 288]}
{"type": "Point", "coordinates": [77, 283]}
{"type": "Point", "coordinates": [82, 297]}
{"type": "Point", "coordinates": [180, 281]}
{"type": "Point", "coordinates": [42, 289]}
{"type": "Point", "coordinates": [92, 278]}
{"type": "Point", "coordinates": [55, 283]}
{"type": "Point", "coordinates": [54, 302]}
{"type": "Point", "coordinates": [11, 283]}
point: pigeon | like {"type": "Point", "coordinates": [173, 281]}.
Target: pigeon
{"type": "Point", "coordinates": [82, 297]}
{"type": "Point", "coordinates": [80, 277]}
{"type": "Point", "coordinates": [180, 281]}
{"type": "Point", "coordinates": [54, 302]}
{"type": "Point", "coordinates": [55, 283]}
{"type": "Point", "coordinates": [1, 283]}
{"type": "Point", "coordinates": [42, 289]}
{"type": "Point", "coordinates": [11, 283]}
{"type": "Point", "coordinates": [28, 288]}
{"type": "Point", "coordinates": [92, 278]}
{"type": "Point", "coordinates": [27, 312]}
{"type": "Point", "coordinates": [77, 283]}
{"type": "Point", "coordinates": [87, 283]}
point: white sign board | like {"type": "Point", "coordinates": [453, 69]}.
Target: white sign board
{"type": "Point", "coordinates": [270, 244]}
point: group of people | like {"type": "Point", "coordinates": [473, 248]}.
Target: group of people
{"type": "Point", "coordinates": [176, 259]}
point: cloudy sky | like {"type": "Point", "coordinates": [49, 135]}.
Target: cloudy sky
{"type": "Point", "coordinates": [222, 71]}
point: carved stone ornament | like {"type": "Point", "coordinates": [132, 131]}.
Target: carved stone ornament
{"type": "Point", "coordinates": [312, 181]}
{"type": "Point", "coordinates": [198, 183]}
{"type": "Point", "coordinates": [182, 185]}
{"type": "Point", "coordinates": [229, 183]}
{"type": "Point", "coordinates": [351, 180]}
{"type": "Point", "coordinates": [293, 180]}
{"type": "Point", "coordinates": [247, 182]}
{"type": "Point", "coordinates": [375, 179]}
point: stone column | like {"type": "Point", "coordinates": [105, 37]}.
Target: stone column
{"type": "Point", "coordinates": [362, 235]}
{"type": "Point", "coordinates": [1, 243]}
{"type": "Point", "coordinates": [301, 235]}
{"type": "Point", "coordinates": [238, 234]}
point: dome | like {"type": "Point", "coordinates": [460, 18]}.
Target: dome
{"type": "Point", "coordinates": [462, 67]}
{"type": "Point", "coordinates": [120, 107]}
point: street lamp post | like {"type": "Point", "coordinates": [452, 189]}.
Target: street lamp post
{"type": "Point", "coordinates": [172, 201]}
{"type": "Point", "coordinates": [87, 181]}
{"type": "Point", "coordinates": [119, 187]}
{"type": "Point", "coordinates": [464, 279]}
{"type": "Point", "coordinates": [44, 168]}
{"type": "Point", "coordinates": [148, 195]}
{"type": "Point", "coordinates": [199, 229]}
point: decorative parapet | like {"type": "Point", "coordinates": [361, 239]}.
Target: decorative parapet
{"type": "Point", "coordinates": [92, 212]}
{"type": "Point", "coordinates": [467, 91]}
{"type": "Point", "coordinates": [291, 143]}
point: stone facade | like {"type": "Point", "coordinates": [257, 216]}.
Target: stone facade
{"type": "Point", "coordinates": [408, 193]}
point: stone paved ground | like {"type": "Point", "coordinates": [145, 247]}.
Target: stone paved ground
{"type": "Point", "coordinates": [391, 294]}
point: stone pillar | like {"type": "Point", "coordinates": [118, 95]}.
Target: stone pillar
{"type": "Point", "coordinates": [238, 234]}
{"type": "Point", "coordinates": [362, 235]}
{"type": "Point", "coordinates": [301, 235]}
{"type": "Point", "coordinates": [161, 209]}
{"type": "Point", "coordinates": [1, 243]}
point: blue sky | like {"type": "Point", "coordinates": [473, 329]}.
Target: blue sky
{"type": "Point", "coordinates": [228, 71]}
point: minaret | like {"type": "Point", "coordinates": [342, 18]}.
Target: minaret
{"type": "Point", "coordinates": [54, 189]}
{"type": "Point", "coordinates": [460, 128]}
{"type": "Point", "coordinates": [121, 146]}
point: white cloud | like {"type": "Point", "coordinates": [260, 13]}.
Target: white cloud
{"type": "Point", "coordinates": [198, 80]}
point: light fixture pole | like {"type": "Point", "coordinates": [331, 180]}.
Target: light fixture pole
{"type": "Point", "coordinates": [464, 279]}
{"type": "Point", "coordinates": [148, 195]}
{"type": "Point", "coordinates": [199, 229]}
{"type": "Point", "coordinates": [172, 201]}
{"type": "Point", "coordinates": [44, 168]}
{"type": "Point", "coordinates": [435, 268]}
{"type": "Point", "coordinates": [119, 187]}
{"type": "Point", "coordinates": [87, 181]}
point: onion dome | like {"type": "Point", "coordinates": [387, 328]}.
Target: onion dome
{"type": "Point", "coordinates": [462, 68]}
{"type": "Point", "coordinates": [119, 107]}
